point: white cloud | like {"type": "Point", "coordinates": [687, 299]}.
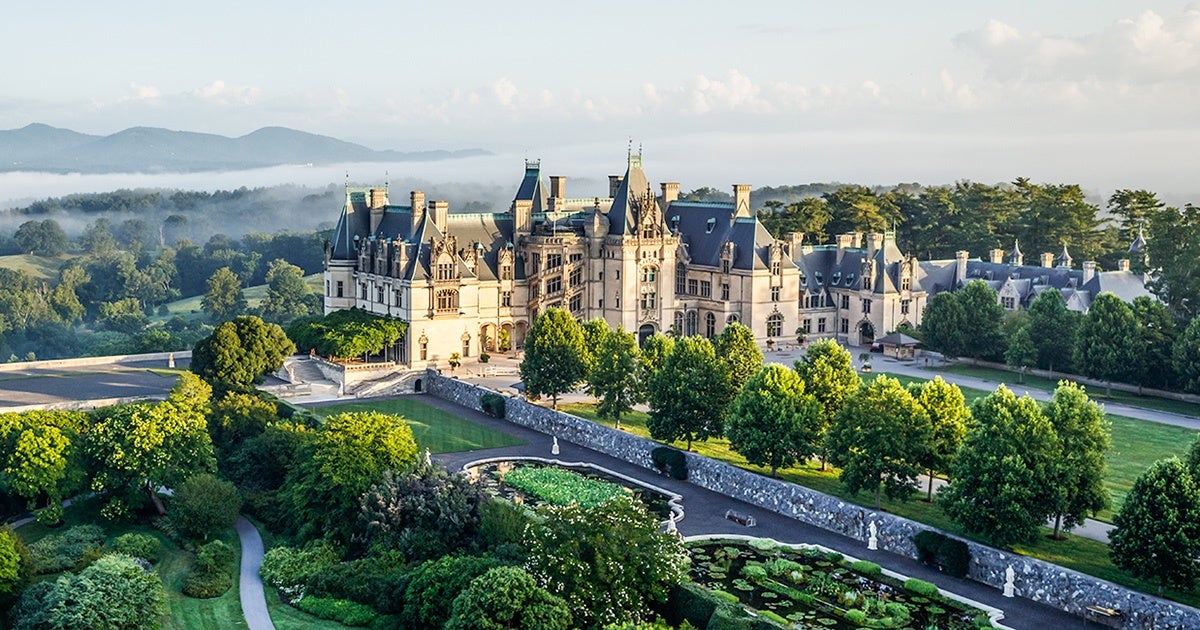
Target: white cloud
{"type": "Point", "coordinates": [222, 93]}
{"type": "Point", "coordinates": [144, 92]}
{"type": "Point", "coordinates": [506, 92]}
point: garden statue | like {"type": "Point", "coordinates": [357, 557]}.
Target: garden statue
{"type": "Point", "coordinates": [872, 541]}
{"type": "Point", "coordinates": [554, 447]}
{"type": "Point", "coordinates": [1009, 587]}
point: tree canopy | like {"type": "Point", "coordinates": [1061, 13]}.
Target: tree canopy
{"type": "Point", "coordinates": [772, 421]}
{"type": "Point", "coordinates": [346, 333]}
{"type": "Point", "coordinates": [1157, 532]}
{"type": "Point", "coordinates": [241, 352]}
{"type": "Point", "coordinates": [1106, 345]}
{"type": "Point", "coordinates": [737, 348]}
{"type": "Point", "coordinates": [508, 597]}
{"type": "Point", "coordinates": [223, 298]}
{"type": "Point", "coordinates": [948, 418]}
{"type": "Point", "coordinates": [614, 375]}
{"type": "Point", "coordinates": [689, 394]}
{"type": "Point", "coordinates": [1084, 437]}
{"type": "Point", "coordinates": [554, 360]}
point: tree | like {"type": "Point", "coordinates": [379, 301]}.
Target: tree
{"type": "Point", "coordinates": [508, 597]}
{"type": "Point", "coordinates": [1134, 207]}
{"type": "Point", "coordinates": [608, 563]}
{"type": "Point", "coordinates": [38, 463]}
{"type": "Point", "coordinates": [424, 514]}
{"type": "Point", "coordinates": [948, 417]}
{"type": "Point", "coordinates": [554, 360]}
{"type": "Point", "coordinates": [43, 238]}
{"type": "Point", "coordinates": [1173, 249]}
{"type": "Point", "coordinates": [594, 331]}
{"type": "Point", "coordinates": [142, 447]}
{"type": "Point", "coordinates": [435, 584]}
{"type": "Point", "coordinates": [981, 332]}
{"type": "Point", "coordinates": [1002, 479]}
{"type": "Point", "coordinates": [1020, 352]}
{"type": "Point", "coordinates": [652, 355]}
{"type": "Point", "coordinates": [879, 440]}
{"type": "Point", "coordinates": [204, 505]}
{"type": "Point", "coordinates": [347, 333]}
{"type": "Point", "coordinates": [1186, 357]}
{"type": "Point", "coordinates": [614, 376]}
{"type": "Point", "coordinates": [1193, 460]}
{"type": "Point", "coordinates": [1106, 346]}
{"type": "Point", "coordinates": [349, 455]}
{"type": "Point", "coordinates": [828, 374]}
{"type": "Point", "coordinates": [224, 298]}
{"type": "Point", "coordinates": [1156, 336]}
{"type": "Point", "coordinates": [287, 292]}
{"type": "Point", "coordinates": [1084, 438]}
{"type": "Point", "coordinates": [114, 593]}
{"type": "Point", "coordinates": [97, 238]}
{"type": "Point", "coordinates": [944, 325]}
{"type": "Point", "coordinates": [1052, 330]}
{"type": "Point", "coordinates": [11, 573]}
{"type": "Point", "coordinates": [689, 394]}
{"type": "Point", "coordinates": [737, 348]}
{"type": "Point", "coordinates": [240, 352]}
{"type": "Point", "coordinates": [772, 421]}
{"type": "Point", "coordinates": [1157, 532]}
{"type": "Point", "coordinates": [123, 316]}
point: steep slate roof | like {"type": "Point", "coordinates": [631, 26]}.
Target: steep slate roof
{"type": "Point", "coordinates": [622, 215]}
{"type": "Point", "coordinates": [705, 227]}
{"type": "Point", "coordinates": [531, 188]}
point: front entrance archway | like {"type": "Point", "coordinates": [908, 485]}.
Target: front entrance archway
{"type": "Point", "coordinates": [866, 333]}
{"type": "Point", "coordinates": [645, 333]}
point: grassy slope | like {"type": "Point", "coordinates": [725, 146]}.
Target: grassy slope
{"type": "Point", "coordinates": [254, 296]}
{"type": "Point", "coordinates": [1039, 382]}
{"type": "Point", "coordinates": [39, 267]}
{"type": "Point", "coordinates": [1141, 442]}
{"type": "Point", "coordinates": [184, 612]}
{"type": "Point", "coordinates": [433, 428]}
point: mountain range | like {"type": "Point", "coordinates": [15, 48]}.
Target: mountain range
{"type": "Point", "coordinates": [38, 147]}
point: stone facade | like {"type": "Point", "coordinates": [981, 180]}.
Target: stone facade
{"type": "Point", "coordinates": [1037, 580]}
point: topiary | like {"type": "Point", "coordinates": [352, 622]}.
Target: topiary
{"type": "Point", "coordinates": [866, 568]}
{"type": "Point", "coordinates": [920, 587]}
{"type": "Point", "coordinates": [670, 461]}
{"type": "Point", "coordinates": [137, 545]}
{"type": "Point", "coordinates": [493, 405]}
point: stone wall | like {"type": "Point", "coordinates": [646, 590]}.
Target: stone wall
{"type": "Point", "coordinates": [1037, 580]}
{"type": "Point", "coordinates": [21, 366]}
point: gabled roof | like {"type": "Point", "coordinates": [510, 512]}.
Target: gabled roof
{"type": "Point", "coordinates": [622, 215]}
{"type": "Point", "coordinates": [705, 227]}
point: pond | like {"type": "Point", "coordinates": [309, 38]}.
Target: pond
{"type": "Point", "coordinates": [533, 482]}
{"type": "Point", "coordinates": [818, 589]}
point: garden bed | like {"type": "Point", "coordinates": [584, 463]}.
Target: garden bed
{"type": "Point", "coordinates": [532, 482]}
{"type": "Point", "coordinates": [820, 589]}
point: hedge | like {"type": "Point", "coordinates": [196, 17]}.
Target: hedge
{"type": "Point", "coordinates": [920, 587]}
{"type": "Point", "coordinates": [866, 568]}
{"type": "Point", "coordinates": [670, 461]}
{"type": "Point", "coordinates": [136, 545]}
{"type": "Point", "coordinates": [949, 554]}
{"type": "Point", "coordinates": [493, 405]}
{"type": "Point", "coordinates": [345, 612]}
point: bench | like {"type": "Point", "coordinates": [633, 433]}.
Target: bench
{"type": "Point", "coordinates": [741, 519]}
{"type": "Point", "coordinates": [1101, 611]}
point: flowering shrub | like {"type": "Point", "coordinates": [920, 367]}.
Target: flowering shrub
{"type": "Point", "coordinates": [562, 487]}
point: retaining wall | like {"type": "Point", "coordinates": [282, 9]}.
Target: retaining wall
{"type": "Point", "coordinates": [22, 366]}
{"type": "Point", "coordinates": [1035, 579]}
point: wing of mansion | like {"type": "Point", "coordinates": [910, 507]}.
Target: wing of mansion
{"type": "Point", "coordinates": [646, 261]}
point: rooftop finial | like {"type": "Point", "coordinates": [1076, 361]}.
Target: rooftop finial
{"type": "Point", "coordinates": [347, 178]}
{"type": "Point", "coordinates": [386, 176]}
{"type": "Point", "coordinates": [629, 149]}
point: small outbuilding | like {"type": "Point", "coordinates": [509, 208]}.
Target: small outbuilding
{"type": "Point", "coordinates": [900, 346]}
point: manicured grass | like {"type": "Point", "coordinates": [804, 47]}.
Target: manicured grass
{"type": "Point", "coordinates": [1080, 554]}
{"type": "Point", "coordinates": [434, 429]}
{"type": "Point", "coordinates": [1136, 444]}
{"type": "Point", "coordinates": [185, 613]}
{"type": "Point", "coordinates": [1097, 393]}
{"type": "Point", "coordinates": [38, 267]}
{"type": "Point", "coordinates": [286, 617]}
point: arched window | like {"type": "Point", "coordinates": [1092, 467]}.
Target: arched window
{"type": "Point", "coordinates": [710, 325]}
{"type": "Point", "coordinates": [678, 322]}
{"type": "Point", "coordinates": [693, 323]}
{"type": "Point", "coordinates": [649, 273]}
{"type": "Point", "coordinates": [775, 325]}
{"type": "Point", "coordinates": [447, 300]}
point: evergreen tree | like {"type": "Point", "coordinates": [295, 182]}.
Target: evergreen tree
{"type": "Point", "coordinates": [1084, 437]}
{"type": "Point", "coordinates": [1106, 346]}
{"type": "Point", "coordinates": [614, 377]}
{"type": "Point", "coordinates": [554, 355]}
{"type": "Point", "coordinates": [772, 421]}
{"type": "Point", "coordinates": [689, 394]}
{"type": "Point", "coordinates": [1157, 533]}
{"type": "Point", "coordinates": [737, 348]}
{"type": "Point", "coordinates": [879, 440]}
{"type": "Point", "coordinates": [948, 417]}
{"type": "Point", "coordinates": [1173, 248]}
{"type": "Point", "coordinates": [1002, 478]}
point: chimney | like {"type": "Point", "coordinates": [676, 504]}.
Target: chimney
{"type": "Point", "coordinates": [996, 256]}
{"type": "Point", "coordinates": [523, 215]}
{"type": "Point", "coordinates": [857, 240]}
{"type": "Point", "coordinates": [1047, 260]}
{"type": "Point", "coordinates": [1123, 264]}
{"type": "Point", "coordinates": [558, 186]}
{"type": "Point", "coordinates": [874, 243]}
{"type": "Point", "coordinates": [844, 242]}
{"type": "Point", "coordinates": [797, 240]}
{"type": "Point", "coordinates": [418, 207]}
{"type": "Point", "coordinates": [741, 200]}
{"type": "Point", "coordinates": [670, 192]}
{"type": "Point", "coordinates": [614, 182]}
{"type": "Point", "coordinates": [441, 214]}
{"type": "Point", "coordinates": [1089, 271]}
{"type": "Point", "coordinates": [376, 201]}
{"type": "Point", "coordinates": [960, 267]}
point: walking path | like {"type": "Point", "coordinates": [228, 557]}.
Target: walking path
{"type": "Point", "coordinates": [704, 514]}
{"type": "Point", "coordinates": [254, 602]}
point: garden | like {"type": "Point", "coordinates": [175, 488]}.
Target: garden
{"type": "Point", "coordinates": [819, 589]}
{"type": "Point", "coordinates": [532, 483]}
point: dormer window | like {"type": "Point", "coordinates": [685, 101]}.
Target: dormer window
{"type": "Point", "coordinates": [849, 280]}
{"type": "Point", "coordinates": [837, 277]}
{"type": "Point", "coordinates": [710, 226]}
{"type": "Point", "coordinates": [820, 277]}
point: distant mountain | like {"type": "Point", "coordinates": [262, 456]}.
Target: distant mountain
{"type": "Point", "coordinates": [39, 147]}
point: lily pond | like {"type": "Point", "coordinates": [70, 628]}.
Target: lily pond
{"type": "Point", "coordinates": [533, 483]}
{"type": "Point", "coordinates": [810, 588]}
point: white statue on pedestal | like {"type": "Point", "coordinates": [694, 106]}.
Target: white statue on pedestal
{"type": "Point", "coordinates": [171, 360]}
{"type": "Point", "coordinates": [428, 458]}
{"type": "Point", "coordinates": [872, 540]}
{"type": "Point", "coordinates": [1009, 587]}
{"type": "Point", "coordinates": [554, 447]}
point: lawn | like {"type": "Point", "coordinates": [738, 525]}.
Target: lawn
{"type": "Point", "coordinates": [190, 307]}
{"type": "Point", "coordinates": [283, 616]}
{"type": "Point", "coordinates": [40, 268]}
{"type": "Point", "coordinates": [1143, 441]}
{"type": "Point", "coordinates": [1097, 393]}
{"type": "Point", "coordinates": [434, 429]}
{"type": "Point", "coordinates": [185, 613]}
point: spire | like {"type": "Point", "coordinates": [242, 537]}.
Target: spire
{"type": "Point", "coordinates": [1015, 257]}
{"type": "Point", "coordinates": [1064, 259]}
{"type": "Point", "coordinates": [1139, 243]}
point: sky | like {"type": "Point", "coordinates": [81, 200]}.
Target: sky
{"type": "Point", "coordinates": [1095, 92]}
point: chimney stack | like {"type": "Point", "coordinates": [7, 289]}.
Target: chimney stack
{"type": "Point", "coordinates": [844, 242]}
{"type": "Point", "coordinates": [670, 192]}
{"type": "Point", "coordinates": [741, 200]}
{"type": "Point", "coordinates": [996, 256]}
{"type": "Point", "coordinates": [1047, 260]}
{"type": "Point", "coordinates": [1123, 264]}
{"type": "Point", "coordinates": [614, 182]}
{"type": "Point", "coordinates": [960, 267]}
{"type": "Point", "coordinates": [797, 239]}
{"type": "Point", "coordinates": [418, 207]}
{"type": "Point", "coordinates": [1089, 271]}
{"type": "Point", "coordinates": [874, 243]}
{"type": "Point", "coordinates": [441, 214]}
{"type": "Point", "coordinates": [558, 186]}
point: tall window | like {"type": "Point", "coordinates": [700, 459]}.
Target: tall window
{"type": "Point", "coordinates": [341, 288]}
{"type": "Point", "coordinates": [807, 326]}
{"type": "Point", "coordinates": [678, 321]}
{"type": "Point", "coordinates": [705, 288]}
{"type": "Point", "coordinates": [845, 301]}
{"type": "Point", "coordinates": [362, 290]}
{"type": "Point", "coordinates": [845, 325]}
{"type": "Point", "coordinates": [576, 278]}
{"type": "Point", "coordinates": [379, 294]}
{"type": "Point", "coordinates": [904, 304]}
{"type": "Point", "coordinates": [680, 279]}
{"type": "Point", "coordinates": [444, 271]}
{"type": "Point", "coordinates": [466, 348]}
{"type": "Point", "coordinates": [447, 300]}
{"type": "Point", "coordinates": [820, 324]}
{"type": "Point", "coordinates": [866, 306]}
{"type": "Point", "coordinates": [725, 291]}
{"type": "Point", "coordinates": [553, 285]}
{"type": "Point", "coordinates": [774, 294]}
{"type": "Point", "coordinates": [693, 322]}
{"type": "Point", "coordinates": [326, 288]}
{"type": "Point", "coordinates": [649, 300]}
{"type": "Point", "coordinates": [506, 298]}
{"type": "Point", "coordinates": [693, 286]}
{"type": "Point", "coordinates": [576, 302]}
{"type": "Point", "coordinates": [776, 267]}
{"type": "Point", "coordinates": [424, 349]}
{"type": "Point", "coordinates": [710, 325]}
{"type": "Point", "coordinates": [397, 297]}
{"type": "Point", "coordinates": [775, 325]}
{"type": "Point", "coordinates": [725, 266]}
{"type": "Point", "coordinates": [506, 272]}
{"type": "Point", "coordinates": [553, 260]}
{"type": "Point", "coordinates": [649, 274]}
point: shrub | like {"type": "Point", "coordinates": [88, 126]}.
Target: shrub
{"type": "Point", "coordinates": [142, 546]}
{"type": "Point", "coordinates": [435, 584]}
{"type": "Point", "coordinates": [951, 555]}
{"type": "Point", "coordinates": [856, 616]}
{"type": "Point", "coordinates": [66, 550]}
{"type": "Point", "coordinates": [207, 585]}
{"type": "Point", "coordinates": [376, 581]}
{"type": "Point", "coordinates": [288, 566]}
{"type": "Point", "coordinates": [215, 555]}
{"type": "Point", "coordinates": [502, 523]}
{"type": "Point", "coordinates": [691, 603]}
{"type": "Point", "coordinates": [927, 543]}
{"type": "Point", "coordinates": [493, 405]}
{"type": "Point", "coordinates": [484, 357]}
{"type": "Point", "coordinates": [867, 568]}
{"type": "Point", "coordinates": [670, 461]}
{"type": "Point", "coordinates": [342, 611]}
{"type": "Point", "coordinates": [920, 587]}
{"type": "Point", "coordinates": [204, 505]}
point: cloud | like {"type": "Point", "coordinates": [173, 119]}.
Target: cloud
{"type": "Point", "coordinates": [506, 92]}
{"type": "Point", "coordinates": [224, 94]}
{"type": "Point", "coordinates": [143, 92]}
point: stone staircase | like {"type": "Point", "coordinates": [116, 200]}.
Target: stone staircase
{"type": "Point", "coordinates": [307, 379]}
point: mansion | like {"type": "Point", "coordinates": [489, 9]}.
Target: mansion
{"type": "Point", "coordinates": [646, 263]}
